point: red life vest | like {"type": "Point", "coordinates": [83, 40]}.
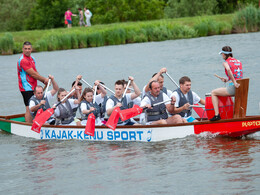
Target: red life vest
{"type": "Point", "coordinates": [235, 67]}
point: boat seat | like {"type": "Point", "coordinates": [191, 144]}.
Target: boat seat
{"type": "Point", "coordinates": [241, 95]}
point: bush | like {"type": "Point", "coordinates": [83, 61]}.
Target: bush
{"type": "Point", "coordinates": [7, 44]}
{"type": "Point", "coordinates": [246, 20]}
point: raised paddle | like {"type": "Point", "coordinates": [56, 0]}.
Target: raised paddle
{"type": "Point", "coordinates": [42, 118]}
{"type": "Point", "coordinates": [86, 83]}
{"type": "Point", "coordinates": [114, 117]}
{"type": "Point", "coordinates": [136, 110]}
{"type": "Point", "coordinates": [45, 95]}
{"type": "Point", "coordinates": [200, 111]}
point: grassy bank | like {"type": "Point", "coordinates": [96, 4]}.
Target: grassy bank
{"type": "Point", "coordinates": [130, 32]}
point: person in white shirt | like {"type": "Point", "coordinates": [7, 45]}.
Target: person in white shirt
{"type": "Point", "coordinates": [158, 114]}
{"type": "Point", "coordinates": [185, 98]}
{"type": "Point", "coordinates": [118, 100]}
{"type": "Point", "coordinates": [38, 101]}
{"type": "Point", "coordinates": [88, 15]}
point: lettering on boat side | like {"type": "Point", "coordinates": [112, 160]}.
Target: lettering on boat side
{"type": "Point", "coordinates": [128, 135]}
{"type": "Point", "coordinates": [251, 123]}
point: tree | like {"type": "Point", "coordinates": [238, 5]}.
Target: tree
{"type": "Point", "coordinates": [184, 8]}
{"type": "Point", "coordinates": [13, 14]}
{"type": "Point", "coordinates": [47, 14]}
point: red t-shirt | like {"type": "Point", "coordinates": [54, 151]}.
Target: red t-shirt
{"type": "Point", "coordinates": [26, 82]}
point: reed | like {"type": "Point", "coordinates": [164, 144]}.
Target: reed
{"type": "Point", "coordinates": [7, 44]}
{"type": "Point", "coordinates": [65, 41]}
{"type": "Point", "coordinates": [74, 41]}
{"type": "Point", "coordinates": [202, 29]}
{"type": "Point", "coordinates": [115, 36]}
{"type": "Point", "coordinates": [96, 39]}
{"type": "Point", "coordinates": [225, 28]}
{"type": "Point", "coordinates": [82, 40]}
{"type": "Point", "coordinates": [246, 20]}
{"type": "Point", "coordinates": [41, 45]}
{"type": "Point", "coordinates": [213, 27]}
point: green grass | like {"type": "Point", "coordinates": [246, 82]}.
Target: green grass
{"type": "Point", "coordinates": [120, 33]}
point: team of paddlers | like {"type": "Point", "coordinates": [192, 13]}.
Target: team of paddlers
{"type": "Point", "coordinates": [160, 105]}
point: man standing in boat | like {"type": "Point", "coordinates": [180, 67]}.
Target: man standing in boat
{"type": "Point", "coordinates": [38, 100]}
{"type": "Point", "coordinates": [185, 98]}
{"type": "Point", "coordinates": [28, 76]}
{"type": "Point", "coordinates": [118, 100]}
{"type": "Point", "coordinates": [158, 114]}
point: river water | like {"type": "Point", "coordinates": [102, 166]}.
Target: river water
{"type": "Point", "coordinates": [193, 165]}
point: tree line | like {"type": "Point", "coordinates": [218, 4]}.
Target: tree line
{"type": "Point", "coordinates": [16, 15]}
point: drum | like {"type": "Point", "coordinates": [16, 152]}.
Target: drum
{"type": "Point", "coordinates": [225, 105]}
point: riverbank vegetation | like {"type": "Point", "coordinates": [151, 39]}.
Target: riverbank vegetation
{"type": "Point", "coordinates": [245, 20]}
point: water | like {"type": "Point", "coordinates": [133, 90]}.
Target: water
{"type": "Point", "coordinates": [193, 165]}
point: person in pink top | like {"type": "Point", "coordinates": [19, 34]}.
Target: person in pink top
{"type": "Point", "coordinates": [67, 16]}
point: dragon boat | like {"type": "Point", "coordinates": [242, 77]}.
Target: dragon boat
{"type": "Point", "coordinates": [234, 123]}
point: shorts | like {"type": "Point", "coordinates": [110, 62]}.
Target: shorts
{"type": "Point", "coordinates": [190, 119]}
{"type": "Point", "coordinates": [69, 21]}
{"type": "Point", "coordinates": [231, 89]}
{"type": "Point", "coordinates": [26, 97]}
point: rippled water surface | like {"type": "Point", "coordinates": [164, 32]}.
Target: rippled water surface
{"type": "Point", "coordinates": [193, 165]}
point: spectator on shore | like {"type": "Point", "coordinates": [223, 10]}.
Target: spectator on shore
{"type": "Point", "coordinates": [88, 15]}
{"type": "Point", "coordinates": [81, 18]}
{"type": "Point", "coordinates": [67, 16]}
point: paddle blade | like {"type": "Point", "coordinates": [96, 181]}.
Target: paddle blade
{"type": "Point", "coordinates": [36, 127]}
{"type": "Point", "coordinates": [113, 119]}
{"type": "Point", "coordinates": [90, 126]}
{"type": "Point", "coordinates": [41, 119]}
{"type": "Point", "coordinates": [200, 111]}
{"type": "Point", "coordinates": [38, 112]}
{"type": "Point", "coordinates": [130, 113]}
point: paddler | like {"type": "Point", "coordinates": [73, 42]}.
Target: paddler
{"type": "Point", "coordinates": [185, 98]}
{"type": "Point", "coordinates": [158, 114]}
{"type": "Point", "coordinates": [118, 100]}
{"type": "Point", "coordinates": [160, 78]}
{"type": "Point", "coordinates": [64, 112]}
{"type": "Point", "coordinates": [234, 71]}
{"type": "Point", "coordinates": [38, 100]}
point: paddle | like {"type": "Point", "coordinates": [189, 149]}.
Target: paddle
{"type": "Point", "coordinates": [136, 110]}
{"type": "Point", "coordinates": [42, 118]}
{"type": "Point", "coordinates": [114, 117]}
{"type": "Point", "coordinates": [200, 111]}
{"type": "Point", "coordinates": [90, 126]}
{"type": "Point", "coordinates": [45, 94]}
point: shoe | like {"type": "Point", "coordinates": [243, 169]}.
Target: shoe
{"type": "Point", "coordinates": [216, 118]}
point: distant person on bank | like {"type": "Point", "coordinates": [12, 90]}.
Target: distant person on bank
{"type": "Point", "coordinates": [234, 71]}
{"type": "Point", "coordinates": [88, 15]}
{"type": "Point", "coordinates": [81, 18]}
{"type": "Point", "coordinates": [67, 16]}
{"type": "Point", "coordinates": [27, 77]}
